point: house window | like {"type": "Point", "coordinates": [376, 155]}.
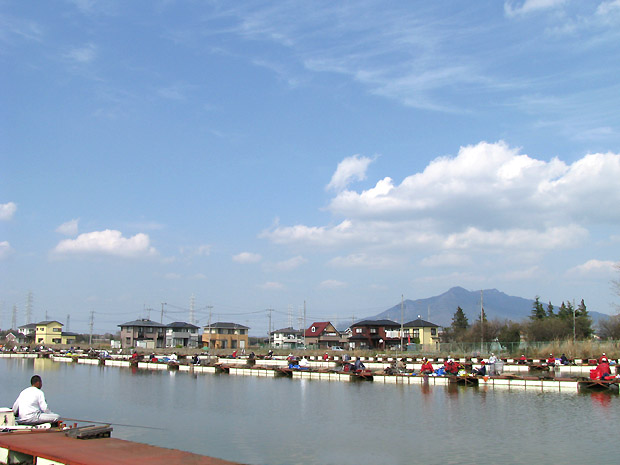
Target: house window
{"type": "Point", "coordinates": [358, 330]}
{"type": "Point", "coordinates": [416, 333]}
{"type": "Point", "coordinates": [373, 330]}
{"type": "Point", "coordinates": [433, 331]}
{"type": "Point", "coordinates": [57, 330]}
{"type": "Point", "coordinates": [313, 329]}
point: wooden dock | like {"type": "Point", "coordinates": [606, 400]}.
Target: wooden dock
{"type": "Point", "coordinates": [48, 447]}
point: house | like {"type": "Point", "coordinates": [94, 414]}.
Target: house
{"type": "Point", "coordinates": [143, 333]}
{"type": "Point", "coordinates": [29, 331]}
{"type": "Point", "coordinates": [323, 335]}
{"type": "Point", "coordinates": [422, 332]}
{"type": "Point", "coordinates": [375, 334]}
{"type": "Point", "coordinates": [48, 332]}
{"type": "Point", "coordinates": [181, 334]}
{"type": "Point", "coordinates": [287, 338]}
{"type": "Point", "coordinates": [222, 335]}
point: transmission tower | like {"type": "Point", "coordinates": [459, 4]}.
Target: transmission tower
{"type": "Point", "coordinates": [14, 319]}
{"type": "Point", "coordinates": [290, 316]}
{"type": "Point", "coordinates": [92, 318]}
{"type": "Point", "coordinates": [192, 309]}
{"type": "Point", "coordinates": [29, 301]}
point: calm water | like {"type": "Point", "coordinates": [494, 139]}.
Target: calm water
{"type": "Point", "coordinates": [285, 421]}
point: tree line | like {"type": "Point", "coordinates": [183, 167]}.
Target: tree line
{"type": "Point", "coordinates": [545, 323]}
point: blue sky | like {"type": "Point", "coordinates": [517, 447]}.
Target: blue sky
{"type": "Point", "coordinates": [258, 155]}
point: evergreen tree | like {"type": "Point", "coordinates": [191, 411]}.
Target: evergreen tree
{"type": "Point", "coordinates": [538, 311]}
{"type": "Point", "coordinates": [550, 313]}
{"type": "Point", "coordinates": [583, 322]}
{"type": "Point", "coordinates": [459, 320]}
{"type": "Point", "coordinates": [564, 312]}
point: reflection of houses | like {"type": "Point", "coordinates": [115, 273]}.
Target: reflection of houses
{"type": "Point", "coordinates": [421, 332]}
{"type": "Point", "coordinates": [375, 334]}
{"type": "Point", "coordinates": [143, 333]}
{"type": "Point", "coordinates": [50, 332]}
{"type": "Point", "coordinates": [180, 334]}
{"type": "Point", "coordinates": [322, 335]}
{"type": "Point", "coordinates": [287, 338]}
{"type": "Point", "coordinates": [222, 335]}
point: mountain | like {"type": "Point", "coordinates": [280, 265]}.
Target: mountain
{"type": "Point", "coordinates": [497, 305]}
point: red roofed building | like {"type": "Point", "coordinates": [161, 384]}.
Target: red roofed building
{"type": "Point", "coordinates": [322, 335]}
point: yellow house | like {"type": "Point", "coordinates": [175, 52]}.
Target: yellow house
{"type": "Point", "coordinates": [48, 332]}
{"type": "Point", "coordinates": [421, 332]}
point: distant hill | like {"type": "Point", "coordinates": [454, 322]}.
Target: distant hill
{"type": "Point", "coordinates": [497, 305]}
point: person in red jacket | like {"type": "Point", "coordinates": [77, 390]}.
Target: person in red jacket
{"type": "Point", "coordinates": [427, 367]}
{"type": "Point", "coordinates": [603, 371]}
{"type": "Point", "coordinates": [603, 358]}
{"type": "Point", "coordinates": [551, 360]}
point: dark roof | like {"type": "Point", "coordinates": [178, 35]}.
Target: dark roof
{"type": "Point", "coordinates": [143, 322]}
{"type": "Point", "coordinates": [182, 324]}
{"type": "Point", "coordinates": [46, 322]}
{"type": "Point", "coordinates": [287, 330]}
{"type": "Point", "coordinates": [420, 323]}
{"type": "Point", "coordinates": [222, 324]}
{"type": "Point", "coordinates": [67, 333]}
{"type": "Point", "coordinates": [376, 323]}
{"type": "Point", "coordinates": [28, 326]}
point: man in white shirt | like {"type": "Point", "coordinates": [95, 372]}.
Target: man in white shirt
{"type": "Point", "coordinates": [30, 407]}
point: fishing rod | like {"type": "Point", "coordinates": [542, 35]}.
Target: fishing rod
{"type": "Point", "coordinates": [108, 423]}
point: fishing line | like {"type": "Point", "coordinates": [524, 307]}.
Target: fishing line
{"type": "Point", "coordinates": [108, 423]}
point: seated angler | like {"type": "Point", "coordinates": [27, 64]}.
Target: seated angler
{"type": "Point", "coordinates": [427, 367]}
{"type": "Point", "coordinates": [30, 407]}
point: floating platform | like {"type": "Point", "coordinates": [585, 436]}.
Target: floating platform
{"type": "Point", "coordinates": [54, 448]}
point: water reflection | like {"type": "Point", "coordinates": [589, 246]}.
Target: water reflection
{"type": "Point", "coordinates": [307, 422]}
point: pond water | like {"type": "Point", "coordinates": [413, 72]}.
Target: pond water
{"type": "Point", "coordinates": [290, 421]}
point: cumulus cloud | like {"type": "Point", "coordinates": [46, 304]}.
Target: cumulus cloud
{"type": "Point", "coordinates": [272, 286]}
{"type": "Point", "coordinates": [332, 284]}
{"type": "Point", "coordinates": [515, 8]}
{"type": "Point", "coordinates": [290, 264]}
{"type": "Point", "coordinates": [489, 197]}
{"type": "Point", "coordinates": [594, 267]}
{"type": "Point", "coordinates": [5, 250]}
{"type": "Point", "coordinates": [70, 228]}
{"type": "Point", "coordinates": [7, 210]}
{"type": "Point", "coordinates": [365, 260]}
{"type": "Point", "coordinates": [247, 257]}
{"type": "Point", "coordinates": [108, 242]}
{"type": "Point", "coordinates": [350, 169]}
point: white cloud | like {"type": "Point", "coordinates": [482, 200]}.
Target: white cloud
{"type": "Point", "coordinates": [332, 284]}
{"type": "Point", "coordinates": [446, 259]}
{"type": "Point", "coordinates": [594, 267]}
{"type": "Point", "coordinates": [365, 260]}
{"type": "Point", "coordinates": [490, 198]}
{"type": "Point", "coordinates": [82, 55]}
{"type": "Point", "coordinates": [5, 250]}
{"type": "Point", "coordinates": [108, 242]}
{"type": "Point", "coordinates": [199, 276]}
{"type": "Point", "coordinates": [290, 264]}
{"type": "Point", "coordinates": [272, 286]}
{"type": "Point", "coordinates": [70, 228]}
{"type": "Point", "coordinates": [515, 8]}
{"type": "Point", "coordinates": [350, 169]}
{"type": "Point", "coordinates": [7, 210]}
{"type": "Point", "coordinates": [247, 257]}
{"type": "Point", "coordinates": [172, 276]}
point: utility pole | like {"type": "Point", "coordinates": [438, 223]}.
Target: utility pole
{"type": "Point", "coordinates": [162, 313]}
{"type": "Point", "coordinates": [92, 320]}
{"type": "Point", "coordinates": [270, 310]}
{"type": "Point", "coordinates": [68, 319]}
{"type": "Point", "coordinates": [481, 321]}
{"type": "Point", "coordinates": [574, 321]}
{"type": "Point", "coordinates": [304, 325]}
{"type": "Point", "coordinates": [210, 308]}
{"type": "Point", "coordinates": [402, 319]}
{"type": "Point", "coordinates": [14, 319]}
